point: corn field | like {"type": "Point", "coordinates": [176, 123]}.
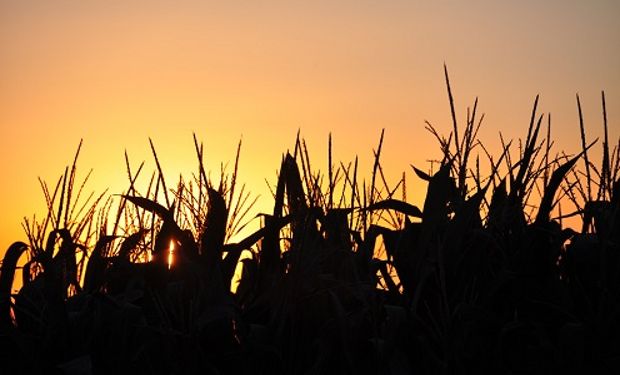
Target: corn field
{"type": "Point", "coordinates": [343, 276]}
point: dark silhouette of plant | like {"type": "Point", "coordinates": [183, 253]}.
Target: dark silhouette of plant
{"type": "Point", "coordinates": [343, 276]}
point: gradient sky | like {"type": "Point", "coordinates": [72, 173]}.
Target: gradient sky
{"type": "Point", "coordinates": [118, 72]}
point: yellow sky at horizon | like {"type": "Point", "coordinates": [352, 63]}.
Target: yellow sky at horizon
{"type": "Point", "coordinates": [118, 72]}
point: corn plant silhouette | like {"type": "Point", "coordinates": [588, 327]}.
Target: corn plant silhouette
{"type": "Point", "coordinates": [480, 279]}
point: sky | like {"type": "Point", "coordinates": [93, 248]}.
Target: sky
{"type": "Point", "coordinates": [115, 73]}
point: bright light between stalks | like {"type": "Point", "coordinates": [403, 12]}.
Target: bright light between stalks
{"type": "Point", "coordinates": [170, 253]}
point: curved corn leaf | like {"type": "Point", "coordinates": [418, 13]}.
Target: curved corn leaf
{"type": "Point", "coordinates": [396, 205]}
{"type": "Point", "coordinates": [421, 173]}
{"type": "Point", "coordinates": [7, 273]}
{"type": "Point", "coordinates": [150, 206]}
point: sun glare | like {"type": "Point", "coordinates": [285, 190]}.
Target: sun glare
{"type": "Point", "coordinates": [171, 254]}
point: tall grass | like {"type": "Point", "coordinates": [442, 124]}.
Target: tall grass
{"type": "Point", "coordinates": [343, 275]}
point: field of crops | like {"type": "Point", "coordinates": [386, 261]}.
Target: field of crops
{"type": "Point", "coordinates": [343, 276]}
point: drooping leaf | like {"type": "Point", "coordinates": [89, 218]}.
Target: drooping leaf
{"type": "Point", "coordinates": [7, 273]}
{"type": "Point", "coordinates": [150, 206]}
{"type": "Point", "coordinates": [397, 205]}
{"type": "Point", "coordinates": [421, 174]}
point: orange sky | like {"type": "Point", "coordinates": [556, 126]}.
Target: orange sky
{"type": "Point", "coordinates": [118, 72]}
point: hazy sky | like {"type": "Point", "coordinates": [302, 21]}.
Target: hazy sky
{"type": "Point", "coordinates": [118, 72]}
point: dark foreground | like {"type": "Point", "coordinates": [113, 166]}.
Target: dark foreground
{"type": "Point", "coordinates": [469, 284]}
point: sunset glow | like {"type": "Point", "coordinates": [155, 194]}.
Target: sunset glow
{"type": "Point", "coordinates": [325, 187]}
{"type": "Point", "coordinates": [117, 72]}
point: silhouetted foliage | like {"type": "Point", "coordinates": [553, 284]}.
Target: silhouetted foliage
{"type": "Point", "coordinates": [473, 282]}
